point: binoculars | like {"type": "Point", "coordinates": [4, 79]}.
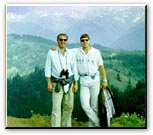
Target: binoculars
{"type": "Point", "coordinates": [64, 73]}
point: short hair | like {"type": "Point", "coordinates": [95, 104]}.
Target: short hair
{"type": "Point", "coordinates": [62, 34]}
{"type": "Point", "coordinates": [84, 36]}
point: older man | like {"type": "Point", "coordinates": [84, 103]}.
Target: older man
{"type": "Point", "coordinates": [61, 74]}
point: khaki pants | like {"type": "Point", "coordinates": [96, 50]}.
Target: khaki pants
{"type": "Point", "coordinates": [62, 107]}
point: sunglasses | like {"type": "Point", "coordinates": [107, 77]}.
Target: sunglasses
{"type": "Point", "coordinates": [82, 40]}
{"type": "Point", "coordinates": [60, 39]}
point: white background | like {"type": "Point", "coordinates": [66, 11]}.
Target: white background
{"type": "Point", "coordinates": [147, 131]}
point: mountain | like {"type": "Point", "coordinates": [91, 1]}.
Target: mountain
{"type": "Point", "coordinates": [133, 39]}
{"type": "Point", "coordinates": [25, 52]}
{"type": "Point", "coordinates": [99, 29]}
{"type": "Point", "coordinates": [105, 25]}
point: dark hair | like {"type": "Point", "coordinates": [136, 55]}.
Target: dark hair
{"type": "Point", "coordinates": [84, 36]}
{"type": "Point", "coordinates": [62, 34]}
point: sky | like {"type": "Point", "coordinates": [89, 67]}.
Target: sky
{"type": "Point", "coordinates": [58, 13]}
{"type": "Point", "coordinates": [66, 8]}
{"type": "Point", "coordinates": [19, 9]}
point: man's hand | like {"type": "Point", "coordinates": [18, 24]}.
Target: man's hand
{"type": "Point", "coordinates": [50, 87]}
{"type": "Point", "coordinates": [53, 47]}
{"type": "Point", "coordinates": [75, 87]}
{"type": "Point", "coordinates": [104, 85]}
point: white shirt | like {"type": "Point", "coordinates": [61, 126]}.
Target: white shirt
{"type": "Point", "coordinates": [56, 62]}
{"type": "Point", "coordinates": [88, 63]}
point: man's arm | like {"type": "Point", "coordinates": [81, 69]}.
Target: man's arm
{"type": "Point", "coordinates": [75, 70]}
{"type": "Point", "coordinates": [54, 47]}
{"type": "Point", "coordinates": [102, 70]}
{"type": "Point", "coordinates": [103, 74]}
{"type": "Point", "coordinates": [48, 72]}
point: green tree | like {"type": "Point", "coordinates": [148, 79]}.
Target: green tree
{"type": "Point", "coordinates": [118, 77]}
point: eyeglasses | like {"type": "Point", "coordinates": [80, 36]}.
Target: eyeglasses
{"type": "Point", "coordinates": [82, 40]}
{"type": "Point", "coordinates": [60, 39]}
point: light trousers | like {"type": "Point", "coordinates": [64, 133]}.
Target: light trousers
{"type": "Point", "coordinates": [89, 101]}
{"type": "Point", "coordinates": [62, 107]}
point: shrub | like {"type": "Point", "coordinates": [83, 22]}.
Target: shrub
{"type": "Point", "coordinates": [127, 120]}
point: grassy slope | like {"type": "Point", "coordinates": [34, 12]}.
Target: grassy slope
{"type": "Point", "coordinates": [125, 120]}
{"type": "Point", "coordinates": [111, 75]}
{"type": "Point", "coordinates": [37, 121]}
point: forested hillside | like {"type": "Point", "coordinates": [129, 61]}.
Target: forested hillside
{"type": "Point", "coordinates": [28, 95]}
{"type": "Point", "coordinates": [125, 68]}
{"type": "Point", "coordinates": [25, 52]}
{"type": "Point", "coordinates": [27, 88]}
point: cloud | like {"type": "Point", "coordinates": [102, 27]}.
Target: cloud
{"type": "Point", "coordinates": [103, 21]}
{"type": "Point", "coordinates": [14, 17]}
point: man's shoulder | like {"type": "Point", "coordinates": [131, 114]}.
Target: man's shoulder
{"type": "Point", "coordinates": [52, 52]}
{"type": "Point", "coordinates": [73, 50]}
{"type": "Point", "coordinates": [95, 49]}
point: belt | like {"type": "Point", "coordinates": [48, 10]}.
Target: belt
{"type": "Point", "coordinates": [91, 75]}
{"type": "Point", "coordinates": [63, 80]}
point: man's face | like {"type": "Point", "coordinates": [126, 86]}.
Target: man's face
{"type": "Point", "coordinates": [85, 42]}
{"type": "Point", "coordinates": [62, 41]}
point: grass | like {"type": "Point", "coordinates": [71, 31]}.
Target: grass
{"type": "Point", "coordinates": [37, 121]}
{"type": "Point", "coordinates": [124, 121]}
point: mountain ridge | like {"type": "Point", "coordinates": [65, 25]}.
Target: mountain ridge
{"type": "Point", "coordinates": [105, 25]}
{"type": "Point", "coordinates": [30, 51]}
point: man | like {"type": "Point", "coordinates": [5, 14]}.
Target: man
{"type": "Point", "coordinates": [90, 66]}
{"type": "Point", "coordinates": [61, 74]}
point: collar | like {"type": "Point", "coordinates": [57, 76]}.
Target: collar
{"type": "Point", "coordinates": [91, 48]}
{"type": "Point", "coordinates": [58, 49]}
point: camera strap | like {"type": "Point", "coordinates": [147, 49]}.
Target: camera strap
{"type": "Point", "coordinates": [61, 60]}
